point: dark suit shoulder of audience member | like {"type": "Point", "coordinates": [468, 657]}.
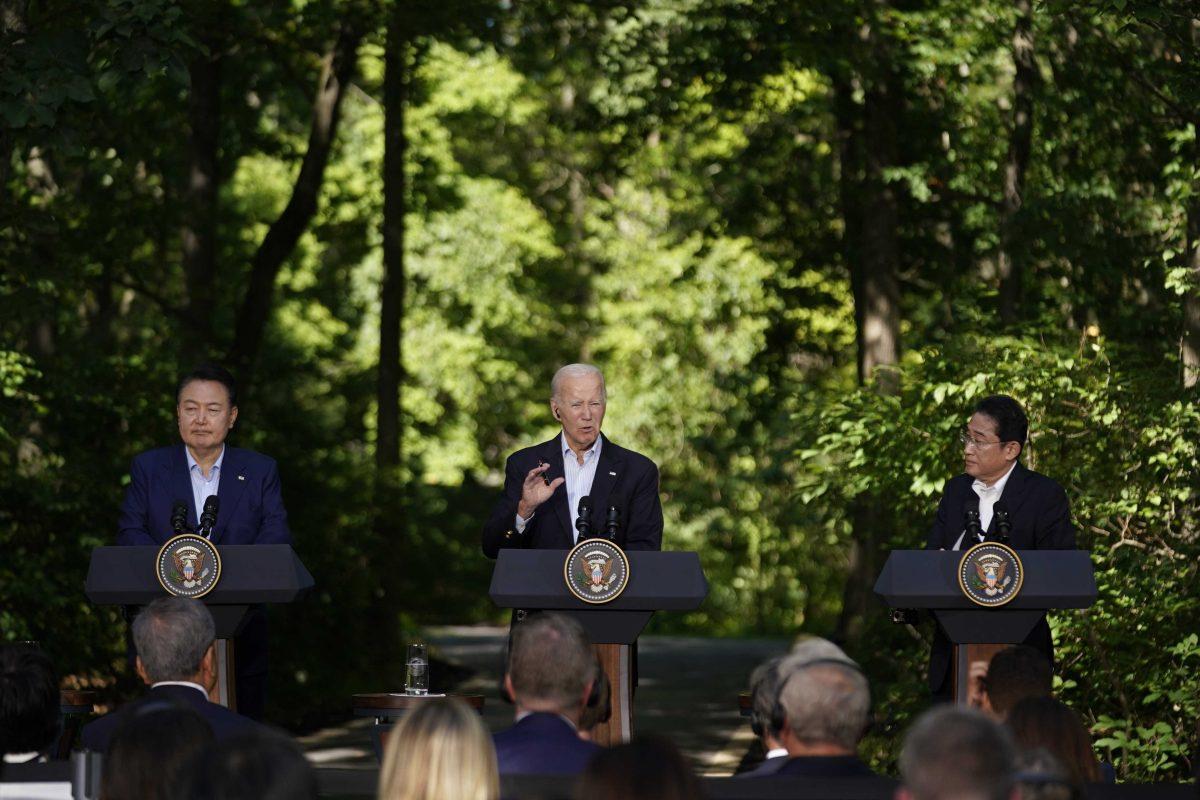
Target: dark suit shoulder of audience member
{"type": "Point", "coordinates": [152, 750]}
{"type": "Point", "coordinates": [96, 735]}
{"type": "Point", "coordinates": [258, 765]}
{"type": "Point", "coordinates": [551, 671]}
{"type": "Point", "coordinates": [825, 767]}
{"type": "Point", "coordinates": [173, 637]}
{"type": "Point", "coordinates": [1050, 724]}
{"type": "Point", "coordinates": [648, 768]}
{"type": "Point", "coordinates": [28, 703]}
{"type": "Point", "coordinates": [544, 744]}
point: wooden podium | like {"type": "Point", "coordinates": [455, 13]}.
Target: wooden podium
{"type": "Point", "coordinates": [251, 574]}
{"type": "Point", "coordinates": [928, 580]}
{"type": "Point", "coordinates": [658, 581]}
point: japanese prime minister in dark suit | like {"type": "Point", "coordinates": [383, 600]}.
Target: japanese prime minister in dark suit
{"type": "Point", "coordinates": [1036, 506]}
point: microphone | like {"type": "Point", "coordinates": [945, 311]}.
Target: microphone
{"type": "Point", "coordinates": [1003, 520]}
{"type": "Point", "coordinates": [612, 523]}
{"type": "Point", "coordinates": [179, 515]}
{"type": "Point", "coordinates": [973, 528]}
{"type": "Point", "coordinates": [583, 523]}
{"type": "Point", "coordinates": [208, 517]}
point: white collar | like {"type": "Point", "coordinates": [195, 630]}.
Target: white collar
{"type": "Point", "coordinates": [776, 753]}
{"type": "Point", "coordinates": [21, 758]}
{"type": "Point", "coordinates": [195, 686]}
{"type": "Point", "coordinates": [996, 488]}
{"type": "Point", "coordinates": [192, 463]}
{"type": "Point", "coordinates": [594, 449]}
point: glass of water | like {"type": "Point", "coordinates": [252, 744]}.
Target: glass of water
{"type": "Point", "coordinates": [416, 672]}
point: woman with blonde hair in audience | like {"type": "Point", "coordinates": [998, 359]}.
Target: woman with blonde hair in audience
{"type": "Point", "coordinates": [440, 751]}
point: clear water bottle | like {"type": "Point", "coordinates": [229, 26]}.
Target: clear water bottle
{"type": "Point", "coordinates": [416, 672]}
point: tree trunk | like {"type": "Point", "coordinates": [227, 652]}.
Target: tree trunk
{"type": "Point", "coordinates": [1017, 162]}
{"type": "Point", "coordinates": [1191, 302]}
{"type": "Point", "coordinates": [281, 238]}
{"type": "Point", "coordinates": [199, 236]}
{"type": "Point", "coordinates": [391, 314]}
{"type": "Point", "coordinates": [867, 148]}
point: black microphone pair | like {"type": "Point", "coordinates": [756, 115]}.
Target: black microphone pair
{"type": "Point", "coordinates": [583, 523]}
{"type": "Point", "coordinates": [1001, 517]}
{"type": "Point", "coordinates": [208, 517]}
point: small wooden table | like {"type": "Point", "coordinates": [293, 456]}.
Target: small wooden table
{"type": "Point", "coordinates": [388, 707]}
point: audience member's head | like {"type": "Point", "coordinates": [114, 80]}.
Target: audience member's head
{"type": "Point", "coordinates": [174, 641]}
{"type": "Point", "coordinates": [153, 751]}
{"type": "Point", "coordinates": [953, 753]}
{"type": "Point", "coordinates": [1015, 673]}
{"type": "Point", "coordinates": [764, 700]}
{"type": "Point", "coordinates": [1048, 723]}
{"type": "Point", "coordinates": [259, 765]}
{"type": "Point", "coordinates": [598, 709]}
{"type": "Point", "coordinates": [551, 666]}
{"type": "Point", "coordinates": [439, 751]}
{"type": "Point", "coordinates": [825, 703]}
{"type": "Point", "coordinates": [1041, 776]}
{"type": "Point", "coordinates": [648, 768]}
{"type": "Point", "coordinates": [28, 700]}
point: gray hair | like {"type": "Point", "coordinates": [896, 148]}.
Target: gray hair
{"type": "Point", "coordinates": [172, 635]}
{"type": "Point", "coordinates": [954, 753]}
{"type": "Point", "coordinates": [826, 702]}
{"type": "Point", "coordinates": [551, 661]}
{"type": "Point", "coordinates": [576, 371]}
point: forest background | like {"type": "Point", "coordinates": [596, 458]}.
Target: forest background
{"type": "Point", "coordinates": [800, 238]}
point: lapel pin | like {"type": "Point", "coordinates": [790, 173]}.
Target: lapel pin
{"type": "Point", "coordinates": [610, 472]}
{"type": "Point", "coordinates": [241, 477]}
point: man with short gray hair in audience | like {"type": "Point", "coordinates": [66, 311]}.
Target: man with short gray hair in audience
{"type": "Point", "coordinates": [824, 703]}
{"type": "Point", "coordinates": [176, 658]}
{"type": "Point", "coordinates": [551, 671]}
{"type": "Point", "coordinates": [955, 753]}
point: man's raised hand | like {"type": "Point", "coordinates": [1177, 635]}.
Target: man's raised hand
{"type": "Point", "coordinates": [536, 491]}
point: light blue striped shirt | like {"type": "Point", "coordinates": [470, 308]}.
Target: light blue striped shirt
{"type": "Point", "coordinates": [579, 476]}
{"type": "Point", "coordinates": [202, 487]}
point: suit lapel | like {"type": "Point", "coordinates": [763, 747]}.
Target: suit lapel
{"type": "Point", "coordinates": [608, 472]}
{"type": "Point", "coordinates": [230, 485]}
{"type": "Point", "coordinates": [180, 482]}
{"type": "Point", "coordinates": [551, 453]}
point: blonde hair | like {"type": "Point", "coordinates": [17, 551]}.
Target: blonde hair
{"type": "Point", "coordinates": [440, 751]}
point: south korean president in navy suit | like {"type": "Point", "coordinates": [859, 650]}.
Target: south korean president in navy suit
{"type": "Point", "coordinates": [544, 483]}
{"type": "Point", "coordinates": [246, 484]}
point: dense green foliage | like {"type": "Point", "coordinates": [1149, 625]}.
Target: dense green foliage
{"type": "Point", "coordinates": [674, 190]}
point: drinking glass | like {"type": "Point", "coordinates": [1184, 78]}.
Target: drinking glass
{"type": "Point", "coordinates": [416, 673]}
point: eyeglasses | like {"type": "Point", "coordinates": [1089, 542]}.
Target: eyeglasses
{"type": "Point", "coordinates": [970, 441]}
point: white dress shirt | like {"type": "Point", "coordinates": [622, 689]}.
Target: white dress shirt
{"type": "Point", "coordinates": [202, 487]}
{"type": "Point", "coordinates": [988, 495]}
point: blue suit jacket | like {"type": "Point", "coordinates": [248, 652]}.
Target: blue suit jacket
{"type": "Point", "coordinates": [542, 744]}
{"type": "Point", "coordinates": [95, 736]}
{"type": "Point", "coordinates": [251, 507]}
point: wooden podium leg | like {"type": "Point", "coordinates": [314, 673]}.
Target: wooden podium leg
{"type": "Point", "coordinates": [614, 659]}
{"type": "Point", "coordinates": [226, 675]}
{"type": "Point", "coordinates": [970, 665]}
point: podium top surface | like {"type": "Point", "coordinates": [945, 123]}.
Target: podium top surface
{"type": "Point", "coordinates": [658, 581]}
{"type": "Point", "coordinates": [929, 579]}
{"type": "Point", "coordinates": [250, 573]}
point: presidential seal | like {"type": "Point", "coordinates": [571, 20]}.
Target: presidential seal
{"type": "Point", "coordinates": [596, 571]}
{"type": "Point", "coordinates": [188, 566]}
{"type": "Point", "coordinates": [990, 574]}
